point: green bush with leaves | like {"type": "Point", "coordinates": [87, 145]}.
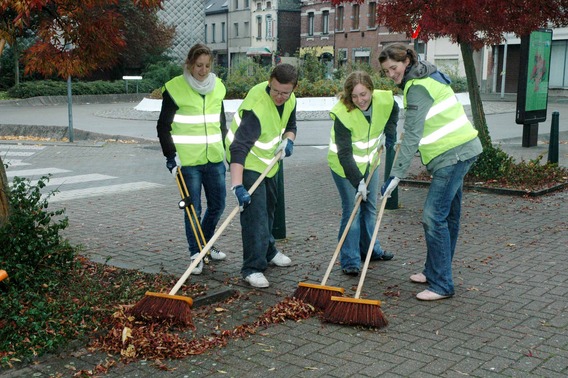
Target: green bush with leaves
{"type": "Point", "coordinates": [38, 261]}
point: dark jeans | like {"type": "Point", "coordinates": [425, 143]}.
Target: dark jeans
{"type": "Point", "coordinates": [256, 224]}
{"type": "Point", "coordinates": [211, 177]}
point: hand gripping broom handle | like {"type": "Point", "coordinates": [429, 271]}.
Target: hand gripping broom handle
{"type": "Point", "coordinates": [350, 221]}
{"type": "Point", "coordinates": [214, 238]}
{"type": "Point", "coordinates": [374, 238]}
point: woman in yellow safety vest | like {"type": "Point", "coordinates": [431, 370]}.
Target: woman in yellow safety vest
{"type": "Point", "coordinates": [360, 118]}
{"type": "Point", "coordinates": [436, 125]}
{"type": "Point", "coordinates": [191, 129]}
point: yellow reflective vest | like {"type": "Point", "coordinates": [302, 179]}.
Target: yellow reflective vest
{"type": "Point", "coordinates": [365, 137]}
{"type": "Point", "coordinates": [196, 129]}
{"type": "Point", "coordinates": [446, 125]}
{"type": "Point", "coordinates": [272, 127]}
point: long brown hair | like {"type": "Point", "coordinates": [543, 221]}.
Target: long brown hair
{"type": "Point", "coordinates": [354, 78]}
{"type": "Point", "coordinates": [195, 52]}
{"type": "Point", "coordinates": [398, 52]}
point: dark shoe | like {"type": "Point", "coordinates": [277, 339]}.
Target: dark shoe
{"type": "Point", "coordinates": [384, 257]}
{"type": "Point", "coordinates": [351, 271]}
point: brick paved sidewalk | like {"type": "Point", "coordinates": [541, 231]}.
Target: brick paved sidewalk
{"type": "Point", "coordinates": [508, 317]}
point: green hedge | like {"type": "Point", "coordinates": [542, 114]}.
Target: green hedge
{"type": "Point", "coordinates": [243, 76]}
{"type": "Point", "coordinates": [29, 89]}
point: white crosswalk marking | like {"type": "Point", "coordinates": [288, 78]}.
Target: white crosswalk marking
{"type": "Point", "coordinates": [102, 190]}
{"type": "Point", "coordinates": [30, 173]}
{"type": "Point", "coordinates": [58, 179]}
{"type": "Point", "coordinates": [8, 152]}
{"type": "Point", "coordinates": [14, 162]}
{"type": "Point", "coordinates": [17, 153]}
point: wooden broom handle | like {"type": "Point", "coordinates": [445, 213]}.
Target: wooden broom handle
{"type": "Point", "coordinates": [214, 238]}
{"type": "Point", "coordinates": [350, 221]}
{"type": "Point", "coordinates": [374, 238]}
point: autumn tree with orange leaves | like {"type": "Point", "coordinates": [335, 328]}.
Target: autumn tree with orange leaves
{"type": "Point", "coordinates": [73, 38]}
{"type": "Point", "coordinates": [472, 24]}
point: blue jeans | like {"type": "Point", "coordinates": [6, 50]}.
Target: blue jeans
{"type": "Point", "coordinates": [259, 246]}
{"type": "Point", "coordinates": [441, 221]}
{"type": "Point", "coordinates": [356, 244]}
{"type": "Point", "coordinates": [211, 177]}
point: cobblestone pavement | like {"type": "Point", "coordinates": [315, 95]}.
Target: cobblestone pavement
{"type": "Point", "coordinates": [508, 318]}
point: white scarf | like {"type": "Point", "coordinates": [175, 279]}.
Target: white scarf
{"type": "Point", "coordinates": [201, 87]}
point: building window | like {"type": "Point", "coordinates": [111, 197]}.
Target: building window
{"type": "Point", "coordinates": [236, 4]}
{"type": "Point", "coordinates": [268, 5]}
{"type": "Point", "coordinates": [247, 29]}
{"type": "Point", "coordinates": [342, 57]}
{"type": "Point", "coordinates": [372, 15]}
{"type": "Point", "coordinates": [222, 32]}
{"type": "Point", "coordinates": [339, 20]}
{"type": "Point", "coordinates": [259, 27]}
{"type": "Point", "coordinates": [311, 24]}
{"type": "Point", "coordinates": [213, 33]}
{"type": "Point", "coordinates": [259, 6]}
{"type": "Point", "coordinates": [269, 34]}
{"type": "Point", "coordinates": [355, 17]}
{"type": "Point", "coordinates": [325, 22]}
{"type": "Point", "coordinates": [247, 4]}
{"type": "Point", "coordinates": [236, 29]}
{"type": "Point", "coordinates": [206, 34]}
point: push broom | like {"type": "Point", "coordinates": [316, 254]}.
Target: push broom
{"type": "Point", "coordinates": [356, 311]}
{"type": "Point", "coordinates": [177, 308]}
{"type": "Point", "coordinates": [186, 204]}
{"type": "Point", "coordinates": [320, 295]}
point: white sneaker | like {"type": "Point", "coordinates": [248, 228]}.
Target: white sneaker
{"type": "Point", "coordinates": [199, 268]}
{"type": "Point", "coordinates": [280, 260]}
{"type": "Point", "coordinates": [257, 280]}
{"type": "Point", "coordinates": [216, 254]}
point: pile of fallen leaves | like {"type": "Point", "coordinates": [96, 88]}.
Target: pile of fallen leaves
{"type": "Point", "coordinates": [131, 340]}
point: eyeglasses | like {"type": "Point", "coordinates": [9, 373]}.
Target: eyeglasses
{"type": "Point", "coordinates": [281, 94]}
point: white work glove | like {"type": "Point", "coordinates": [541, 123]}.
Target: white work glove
{"type": "Point", "coordinates": [362, 190]}
{"type": "Point", "coordinates": [389, 186]}
{"type": "Point", "coordinates": [286, 146]}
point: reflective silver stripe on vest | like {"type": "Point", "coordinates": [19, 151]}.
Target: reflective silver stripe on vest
{"type": "Point", "coordinates": [442, 106]}
{"type": "Point", "coordinates": [361, 146]}
{"type": "Point", "coordinates": [443, 131]}
{"type": "Point", "coordinates": [192, 139]}
{"type": "Point", "coordinates": [197, 119]}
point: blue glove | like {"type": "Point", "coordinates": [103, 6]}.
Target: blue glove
{"type": "Point", "coordinates": [171, 164]}
{"type": "Point", "coordinates": [389, 140]}
{"type": "Point", "coordinates": [243, 196]}
{"type": "Point", "coordinates": [389, 186]}
{"type": "Point", "coordinates": [287, 146]}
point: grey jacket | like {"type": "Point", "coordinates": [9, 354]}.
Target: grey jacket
{"type": "Point", "coordinates": [418, 103]}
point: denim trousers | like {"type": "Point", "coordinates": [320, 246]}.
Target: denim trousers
{"type": "Point", "coordinates": [259, 246]}
{"type": "Point", "coordinates": [358, 240]}
{"type": "Point", "coordinates": [210, 177]}
{"type": "Point", "coordinates": [441, 222]}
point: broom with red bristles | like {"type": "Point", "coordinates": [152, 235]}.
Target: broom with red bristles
{"type": "Point", "coordinates": [356, 311]}
{"type": "Point", "coordinates": [176, 309]}
{"type": "Point", "coordinates": [320, 295]}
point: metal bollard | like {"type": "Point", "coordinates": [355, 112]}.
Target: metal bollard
{"type": "Point", "coordinates": [553, 141]}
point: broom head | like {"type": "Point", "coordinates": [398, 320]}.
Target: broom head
{"type": "Point", "coordinates": [354, 311]}
{"type": "Point", "coordinates": [317, 295]}
{"type": "Point", "coordinates": [164, 307]}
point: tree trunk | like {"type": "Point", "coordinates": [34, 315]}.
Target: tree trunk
{"type": "Point", "coordinates": [477, 111]}
{"type": "Point", "coordinates": [4, 204]}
